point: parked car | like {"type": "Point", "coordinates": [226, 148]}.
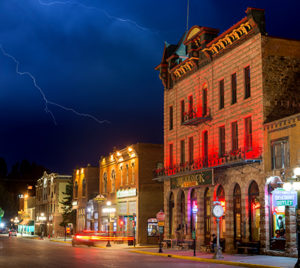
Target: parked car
{"type": "Point", "coordinates": [12, 233]}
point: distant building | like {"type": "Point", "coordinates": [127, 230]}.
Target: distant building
{"type": "Point", "coordinates": [26, 214]}
{"type": "Point", "coordinates": [126, 181]}
{"type": "Point", "coordinates": [50, 192]}
{"type": "Point", "coordinates": [86, 187]}
{"type": "Point", "coordinates": [219, 91]}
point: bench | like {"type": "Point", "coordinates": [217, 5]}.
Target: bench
{"type": "Point", "coordinates": [248, 247]}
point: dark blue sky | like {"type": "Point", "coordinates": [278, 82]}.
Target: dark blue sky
{"type": "Point", "coordinates": [98, 57]}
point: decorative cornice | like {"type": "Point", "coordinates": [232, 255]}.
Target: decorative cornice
{"type": "Point", "coordinates": [230, 38]}
{"type": "Point", "coordinates": [185, 67]}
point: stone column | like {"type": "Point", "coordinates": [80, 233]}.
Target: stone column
{"type": "Point", "coordinates": [229, 235]}
{"type": "Point", "coordinates": [245, 215]}
{"type": "Point", "coordinates": [264, 221]}
{"type": "Point", "coordinates": [290, 232]}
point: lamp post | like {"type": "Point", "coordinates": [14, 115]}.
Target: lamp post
{"type": "Point", "coordinates": [297, 265]}
{"type": "Point", "coordinates": [108, 203]}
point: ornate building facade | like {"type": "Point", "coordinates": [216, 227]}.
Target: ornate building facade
{"type": "Point", "coordinates": [219, 90]}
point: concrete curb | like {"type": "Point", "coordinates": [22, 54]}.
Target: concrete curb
{"type": "Point", "coordinates": [60, 241]}
{"type": "Point", "coordinates": [241, 264]}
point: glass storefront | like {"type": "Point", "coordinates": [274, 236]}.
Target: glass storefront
{"type": "Point", "coordinates": [194, 210]}
{"type": "Point", "coordinates": [237, 214]}
{"type": "Point", "coordinates": [254, 212]}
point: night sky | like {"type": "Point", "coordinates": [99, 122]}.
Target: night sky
{"type": "Point", "coordinates": [98, 58]}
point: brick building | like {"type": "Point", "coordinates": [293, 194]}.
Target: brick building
{"type": "Point", "coordinates": [126, 180]}
{"type": "Point", "coordinates": [50, 189]}
{"type": "Point", "coordinates": [281, 158]}
{"type": "Point", "coordinates": [219, 90]}
{"type": "Point", "coordinates": [86, 186]}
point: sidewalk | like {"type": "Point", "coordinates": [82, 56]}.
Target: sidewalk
{"type": "Point", "coordinates": [236, 259]}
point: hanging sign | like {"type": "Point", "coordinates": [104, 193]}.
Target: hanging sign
{"type": "Point", "coordinates": [280, 197]}
{"type": "Point", "coordinates": [126, 193]}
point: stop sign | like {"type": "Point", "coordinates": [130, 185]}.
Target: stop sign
{"type": "Point", "coordinates": [160, 216]}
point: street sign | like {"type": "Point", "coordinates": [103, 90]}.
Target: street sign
{"type": "Point", "coordinates": [161, 229]}
{"type": "Point", "coordinates": [161, 223]}
{"type": "Point", "coordinates": [160, 216]}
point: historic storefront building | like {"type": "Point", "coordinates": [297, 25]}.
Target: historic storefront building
{"type": "Point", "coordinates": [219, 90]}
{"type": "Point", "coordinates": [86, 187]}
{"type": "Point", "coordinates": [281, 160]}
{"type": "Point", "coordinates": [132, 198]}
{"type": "Point", "coordinates": [50, 192]}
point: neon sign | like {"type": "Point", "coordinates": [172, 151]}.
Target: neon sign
{"type": "Point", "coordinates": [194, 207]}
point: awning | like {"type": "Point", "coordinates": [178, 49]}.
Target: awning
{"type": "Point", "coordinates": [27, 222]}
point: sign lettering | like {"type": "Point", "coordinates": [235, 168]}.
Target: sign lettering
{"type": "Point", "coordinates": [202, 178]}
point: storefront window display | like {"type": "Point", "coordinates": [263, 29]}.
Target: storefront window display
{"type": "Point", "coordinates": [152, 228]}
{"type": "Point", "coordinates": [220, 196]}
{"type": "Point", "coordinates": [194, 208]}
{"type": "Point", "coordinates": [254, 212]}
{"type": "Point", "coordinates": [237, 213]}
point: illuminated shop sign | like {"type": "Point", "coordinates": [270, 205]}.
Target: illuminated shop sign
{"type": "Point", "coordinates": [109, 210]}
{"type": "Point", "coordinates": [194, 207]}
{"type": "Point", "coordinates": [126, 193]}
{"type": "Point", "coordinates": [202, 178]}
{"type": "Point", "coordinates": [284, 198]}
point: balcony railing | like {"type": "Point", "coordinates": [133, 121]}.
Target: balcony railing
{"type": "Point", "coordinates": [194, 117]}
{"type": "Point", "coordinates": [239, 156]}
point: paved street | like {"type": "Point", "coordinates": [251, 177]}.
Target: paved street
{"type": "Point", "coordinates": [22, 252]}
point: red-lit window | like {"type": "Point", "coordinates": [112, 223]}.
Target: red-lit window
{"type": "Point", "coordinates": [233, 88]}
{"type": "Point", "coordinates": [221, 141]}
{"type": "Point", "coordinates": [248, 134]}
{"type": "Point", "coordinates": [182, 152]}
{"type": "Point", "coordinates": [221, 91]}
{"type": "Point", "coordinates": [204, 101]}
{"type": "Point", "coordinates": [247, 82]}
{"type": "Point", "coordinates": [170, 117]}
{"type": "Point", "coordinates": [191, 107]}
{"type": "Point", "coordinates": [171, 155]}
{"type": "Point", "coordinates": [205, 148]}
{"type": "Point", "coordinates": [191, 150]}
{"type": "Point", "coordinates": [182, 110]}
{"type": "Point", "coordinates": [234, 136]}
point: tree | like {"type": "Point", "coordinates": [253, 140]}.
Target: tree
{"type": "Point", "coordinates": [69, 214]}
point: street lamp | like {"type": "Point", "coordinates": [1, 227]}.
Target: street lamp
{"type": "Point", "coordinates": [297, 265]}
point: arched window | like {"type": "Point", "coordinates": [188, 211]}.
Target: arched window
{"type": "Point", "coordinates": [237, 235]}
{"type": "Point", "coordinates": [220, 196]}
{"type": "Point", "coordinates": [76, 189]}
{"type": "Point", "coordinates": [207, 210]}
{"type": "Point", "coordinates": [182, 210]}
{"type": "Point", "coordinates": [194, 210]}
{"type": "Point", "coordinates": [113, 181]}
{"type": "Point", "coordinates": [83, 187]}
{"type": "Point", "coordinates": [171, 214]}
{"type": "Point", "coordinates": [105, 182]}
{"type": "Point", "coordinates": [254, 212]}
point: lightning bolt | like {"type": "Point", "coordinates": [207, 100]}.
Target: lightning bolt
{"type": "Point", "coordinates": [98, 9]}
{"type": "Point", "coordinates": [46, 101]}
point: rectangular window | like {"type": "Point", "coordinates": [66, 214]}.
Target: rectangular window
{"type": "Point", "coordinates": [248, 134]}
{"type": "Point", "coordinates": [234, 137]}
{"type": "Point", "coordinates": [182, 152]}
{"type": "Point", "coordinates": [182, 110]}
{"type": "Point", "coordinates": [247, 82]}
{"type": "Point", "coordinates": [205, 148]}
{"type": "Point", "coordinates": [171, 155]}
{"type": "Point", "coordinates": [221, 141]}
{"type": "Point", "coordinates": [280, 154]}
{"type": "Point", "coordinates": [204, 101]}
{"type": "Point", "coordinates": [233, 88]}
{"type": "Point", "coordinates": [191, 150]}
{"type": "Point", "coordinates": [221, 90]}
{"type": "Point", "coordinates": [191, 112]}
{"type": "Point", "coordinates": [170, 117]}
